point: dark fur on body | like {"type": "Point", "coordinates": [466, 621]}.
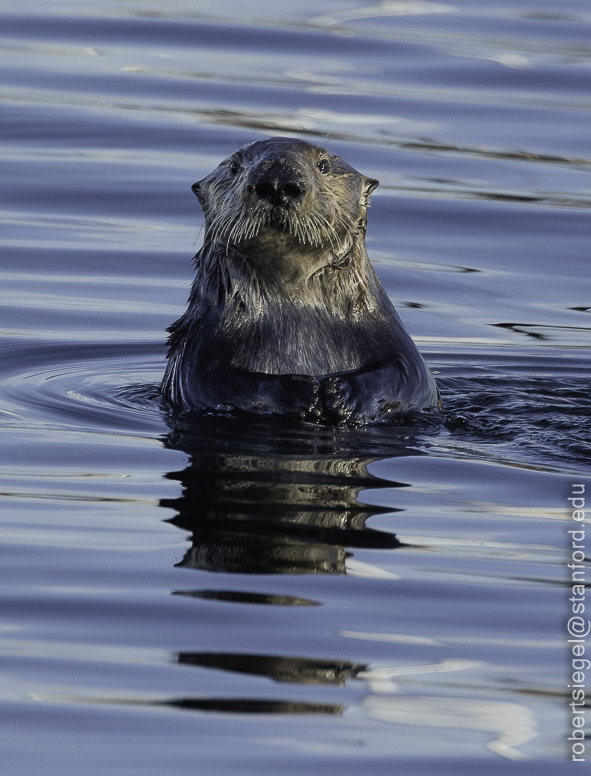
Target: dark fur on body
{"type": "Point", "coordinates": [286, 315]}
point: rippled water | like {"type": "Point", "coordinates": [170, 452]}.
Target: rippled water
{"type": "Point", "coordinates": [223, 597]}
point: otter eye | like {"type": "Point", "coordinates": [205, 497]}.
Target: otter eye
{"type": "Point", "coordinates": [234, 167]}
{"type": "Point", "coordinates": [324, 166]}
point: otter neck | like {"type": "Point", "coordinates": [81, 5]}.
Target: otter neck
{"type": "Point", "coordinates": [282, 263]}
{"type": "Point", "coordinates": [314, 322]}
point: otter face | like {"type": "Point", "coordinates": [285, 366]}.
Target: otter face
{"type": "Point", "coordinates": [285, 196]}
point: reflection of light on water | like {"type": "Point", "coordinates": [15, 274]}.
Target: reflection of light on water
{"type": "Point", "coordinates": [355, 568]}
{"type": "Point", "coordinates": [548, 513]}
{"type": "Point", "coordinates": [394, 638]}
{"type": "Point", "coordinates": [313, 118]}
{"type": "Point", "coordinates": [380, 679]}
{"type": "Point", "coordinates": [512, 723]}
{"type": "Point", "coordinates": [399, 638]}
{"type": "Point", "coordinates": [385, 8]}
{"type": "Point", "coordinates": [505, 58]}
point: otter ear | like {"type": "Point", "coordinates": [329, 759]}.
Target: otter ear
{"type": "Point", "coordinates": [369, 184]}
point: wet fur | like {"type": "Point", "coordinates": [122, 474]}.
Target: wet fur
{"type": "Point", "coordinates": [286, 314]}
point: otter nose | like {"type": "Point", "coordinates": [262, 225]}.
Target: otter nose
{"type": "Point", "coordinates": [279, 187]}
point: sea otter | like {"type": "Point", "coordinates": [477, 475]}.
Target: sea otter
{"type": "Point", "coordinates": [286, 314]}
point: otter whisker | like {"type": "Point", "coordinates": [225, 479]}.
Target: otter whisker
{"type": "Point", "coordinates": [330, 231]}
{"type": "Point", "coordinates": [314, 237]}
{"type": "Point", "coordinates": [235, 230]}
{"type": "Point", "coordinates": [226, 224]}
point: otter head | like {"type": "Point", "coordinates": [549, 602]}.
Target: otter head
{"type": "Point", "coordinates": [288, 207]}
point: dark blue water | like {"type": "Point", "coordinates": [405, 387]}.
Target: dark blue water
{"type": "Point", "coordinates": [225, 597]}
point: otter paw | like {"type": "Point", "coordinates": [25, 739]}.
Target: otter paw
{"type": "Point", "coordinates": [336, 397]}
{"type": "Point", "coordinates": [303, 392]}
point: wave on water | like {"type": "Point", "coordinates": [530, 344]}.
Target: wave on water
{"type": "Point", "coordinates": [518, 409]}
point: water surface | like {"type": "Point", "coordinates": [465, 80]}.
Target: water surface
{"type": "Point", "coordinates": [221, 596]}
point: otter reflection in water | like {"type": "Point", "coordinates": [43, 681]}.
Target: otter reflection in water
{"type": "Point", "coordinates": [259, 498]}
{"type": "Point", "coordinates": [286, 315]}
{"type": "Point", "coordinates": [269, 496]}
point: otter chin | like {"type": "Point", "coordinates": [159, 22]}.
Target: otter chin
{"type": "Point", "coordinates": [286, 314]}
